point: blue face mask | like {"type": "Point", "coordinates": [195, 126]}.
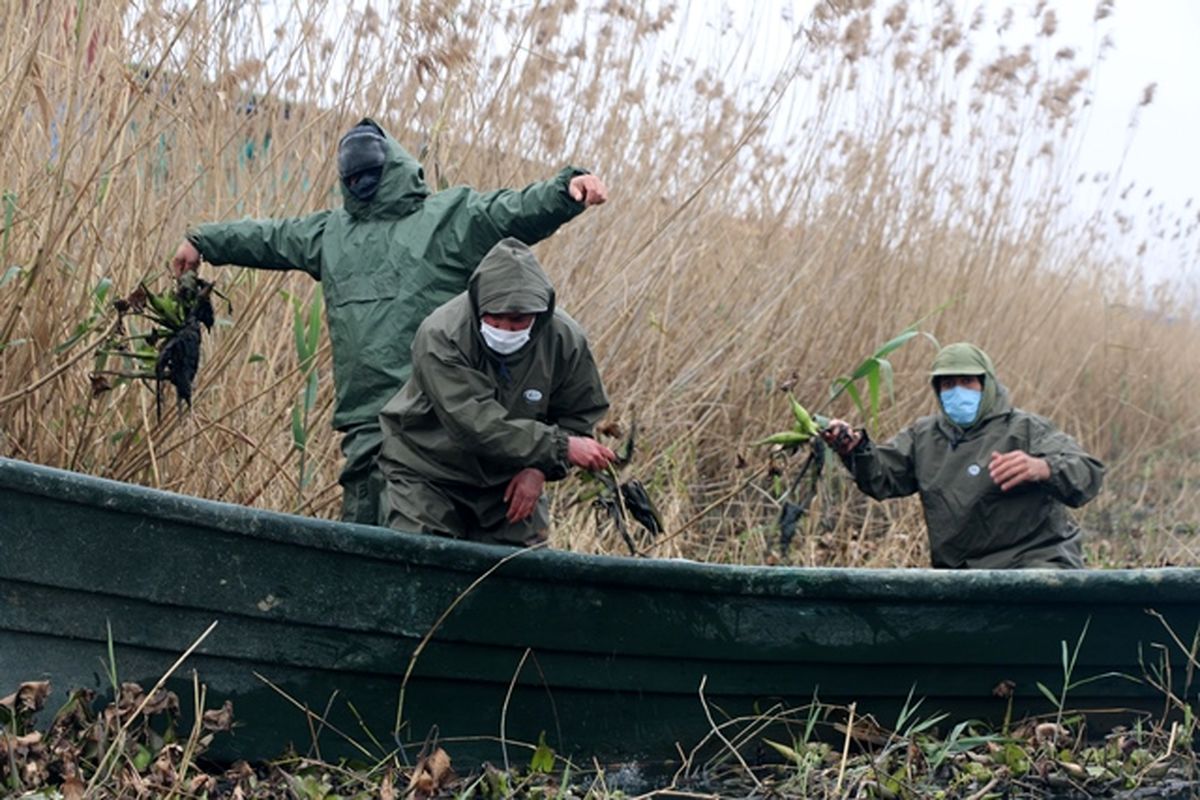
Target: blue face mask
{"type": "Point", "coordinates": [961, 404]}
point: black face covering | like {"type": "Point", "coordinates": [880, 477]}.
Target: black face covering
{"type": "Point", "coordinates": [364, 185]}
{"type": "Point", "coordinates": [361, 155]}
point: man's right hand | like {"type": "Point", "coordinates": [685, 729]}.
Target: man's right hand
{"type": "Point", "coordinates": [588, 453]}
{"type": "Point", "coordinates": [187, 259]}
{"type": "Point", "coordinates": [841, 437]}
{"type": "Point", "coordinates": [587, 189]}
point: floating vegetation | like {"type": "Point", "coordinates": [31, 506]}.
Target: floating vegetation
{"type": "Point", "coordinates": [135, 747]}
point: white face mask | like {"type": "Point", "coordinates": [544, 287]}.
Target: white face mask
{"type": "Point", "coordinates": [502, 341]}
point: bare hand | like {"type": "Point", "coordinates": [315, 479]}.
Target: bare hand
{"type": "Point", "coordinates": [1009, 470]}
{"type": "Point", "coordinates": [522, 493]}
{"type": "Point", "coordinates": [187, 258]}
{"type": "Point", "coordinates": [588, 453]}
{"type": "Point", "coordinates": [841, 437]}
{"type": "Point", "coordinates": [587, 189]}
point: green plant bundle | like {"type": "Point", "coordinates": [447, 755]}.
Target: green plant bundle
{"type": "Point", "coordinates": [167, 352]}
{"type": "Point", "coordinates": [877, 372]}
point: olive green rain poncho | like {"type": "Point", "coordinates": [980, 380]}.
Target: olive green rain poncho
{"type": "Point", "coordinates": [384, 264]}
{"type": "Point", "coordinates": [470, 419]}
{"type": "Point", "coordinates": [971, 522]}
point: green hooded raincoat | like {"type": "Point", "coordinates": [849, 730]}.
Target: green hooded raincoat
{"type": "Point", "coordinates": [470, 419]}
{"type": "Point", "coordinates": [384, 264]}
{"type": "Point", "coordinates": [971, 522]}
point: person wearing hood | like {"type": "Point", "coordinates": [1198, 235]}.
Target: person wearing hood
{"type": "Point", "coordinates": [391, 254]}
{"type": "Point", "coordinates": [994, 480]}
{"type": "Point", "coordinates": [503, 397]}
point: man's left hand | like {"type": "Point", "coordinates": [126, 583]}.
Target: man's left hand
{"type": "Point", "coordinates": [522, 493]}
{"type": "Point", "coordinates": [1009, 470]}
{"type": "Point", "coordinates": [587, 189]}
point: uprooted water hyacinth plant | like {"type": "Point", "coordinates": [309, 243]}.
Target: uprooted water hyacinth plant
{"type": "Point", "coordinates": [168, 351]}
{"type": "Point", "coordinates": [796, 496]}
{"type": "Point", "coordinates": [615, 500]}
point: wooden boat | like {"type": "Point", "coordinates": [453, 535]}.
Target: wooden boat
{"type": "Point", "coordinates": [614, 658]}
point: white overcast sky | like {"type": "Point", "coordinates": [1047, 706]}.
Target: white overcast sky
{"type": "Point", "coordinates": [1154, 41]}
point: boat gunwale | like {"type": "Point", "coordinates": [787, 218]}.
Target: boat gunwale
{"type": "Point", "coordinates": [1170, 585]}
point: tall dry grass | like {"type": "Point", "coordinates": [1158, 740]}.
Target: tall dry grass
{"type": "Point", "coordinates": [763, 231]}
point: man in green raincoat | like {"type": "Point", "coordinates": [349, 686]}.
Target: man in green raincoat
{"type": "Point", "coordinates": [994, 480]}
{"type": "Point", "coordinates": [503, 397]}
{"type": "Point", "coordinates": [391, 254]}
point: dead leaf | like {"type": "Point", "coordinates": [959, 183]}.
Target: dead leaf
{"type": "Point", "coordinates": [132, 696]}
{"type": "Point", "coordinates": [13, 743]}
{"type": "Point", "coordinates": [387, 789]}
{"type": "Point", "coordinates": [200, 784]}
{"type": "Point", "coordinates": [865, 730]}
{"type": "Point", "coordinates": [163, 769]}
{"type": "Point", "coordinates": [72, 788]}
{"type": "Point", "coordinates": [429, 776]}
{"type": "Point", "coordinates": [219, 719]}
{"type": "Point", "coordinates": [1049, 732]}
{"type": "Point", "coordinates": [1004, 688]}
{"type": "Point", "coordinates": [100, 384]}
{"type": "Point", "coordinates": [29, 696]}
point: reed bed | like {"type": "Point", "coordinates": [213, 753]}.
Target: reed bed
{"type": "Point", "coordinates": [765, 230]}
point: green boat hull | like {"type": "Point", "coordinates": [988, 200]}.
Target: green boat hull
{"type": "Point", "coordinates": [606, 656]}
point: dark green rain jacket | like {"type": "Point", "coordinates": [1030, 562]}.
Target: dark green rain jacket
{"type": "Point", "coordinates": [385, 263]}
{"type": "Point", "coordinates": [471, 416]}
{"type": "Point", "coordinates": [971, 522]}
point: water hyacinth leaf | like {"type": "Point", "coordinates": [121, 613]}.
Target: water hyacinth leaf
{"type": "Point", "coordinates": [785, 438]}
{"type": "Point", "coordinates": [847, 385]}
{"type": "Point", "coordinates": [896, 343]}
{"type": "Point", "coordinates": [864, 369]}
{"type": "Point", "coordinates": [298, 331]}
{"type": "Point", "coordinates": [310, 391]}
{"type": "Point", "coordinates": [142, 758]}
{"type": "Point", "coordinates": [804, 421]}
{"type": "Point", "coordinates": [299, 437]}
{"type": "Point", "coordinates": [787, 752]}
{"type": "Point", "coordinates": [81, 330]}
{"type": "Point", "coordinates": [639, 505]}
{"type": "Point", "coordinates": [873, 395]}
{"type": "Point", "coordinates": [789, 517]}
{"type": "Point", "coordinates": [543, 757]}
{"type": "Point", "coordinates": [887, 376]}
{"type": "Point", "coordinates": [100, 293]}
{"type": "Point", "coordinates": [178, 362]}
{"type": "Point", "coordinates": [314, 322]}
{"type": "Point", "coordinates": [625, 454]}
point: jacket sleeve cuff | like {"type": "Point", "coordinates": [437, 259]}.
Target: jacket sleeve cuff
{"type": "Point", "coordinates": [193, 236]}
{"type": "Point", "coordinates": [565, 175]}
{"type": "Point", "coordinates": [558, 469]}
{"type": "Point", "coordinates": [862, 448]}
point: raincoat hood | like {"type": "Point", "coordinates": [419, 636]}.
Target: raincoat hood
{"type": "Point", "coordinates": [510, 280]}
{"type": "Point", "coordinates": [963, 358]}
{"type": "Point", "coordinates": [402, 187]}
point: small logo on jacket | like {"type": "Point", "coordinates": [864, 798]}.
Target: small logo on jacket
{"type": "Point", "coordinates": [973, 470]}
{"type": "Point", "coordinates": [532, 395]}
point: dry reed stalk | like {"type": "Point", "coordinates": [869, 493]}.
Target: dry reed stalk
{"type": "Point", "coordinates": [760, 229]}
